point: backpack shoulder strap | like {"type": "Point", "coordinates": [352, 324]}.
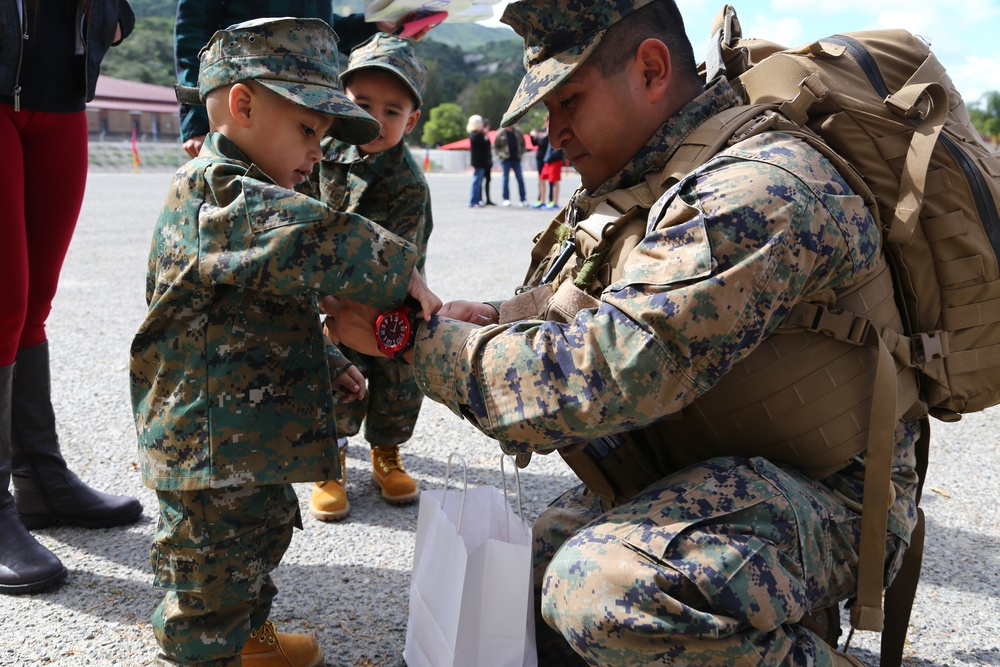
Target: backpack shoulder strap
{"type": "Point", "coordinates": [725, 128]}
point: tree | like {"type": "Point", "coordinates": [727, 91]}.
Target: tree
{"type": "Point", "coordinates": [985, 115]}
{"type": "Point", "coordinates": [446, 124]}
{"type": "Point", "coordinates": [147, 55]}
{"type": "Point", "coordinates": [491, 97]}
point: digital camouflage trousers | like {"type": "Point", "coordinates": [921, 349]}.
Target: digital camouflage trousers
{"type": "Point", "coordinates": [213, 553]}
{"type": "Point", "coordinates": [711, 566]}
{"type": "Point", "coordinates": [389, 409]}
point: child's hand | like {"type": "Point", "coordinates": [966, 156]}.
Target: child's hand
{"type": "Point", "coordinates": [351, 323]}
{"type": "Point", "coordinates": [429, 301]}
{"type": "Point", "coordinates": [352, 383]}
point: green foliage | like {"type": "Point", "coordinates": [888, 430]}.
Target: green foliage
{"type": "Point", "coordinates": [491, 97]}
{"type": "Point", "coordinates": [985, 115]}
{"type": "Point", "coordinates": [154, 8]}
{"type": "Point", "coordinates": [446, 124]}
{"type": "Point", "coordinates": [147, 55]}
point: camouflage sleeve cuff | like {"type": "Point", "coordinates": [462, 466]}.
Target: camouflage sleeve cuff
{"type": "Point", "coordinates": [336, 359]}
{"type": "Point", "coordinates": [443, 362]}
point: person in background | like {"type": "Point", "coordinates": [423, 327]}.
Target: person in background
{"type": "Point", "coordinates": [197, 21]}
{"type": "Point", "coordinates": [540, 138]}
{"type": "Point", "coordinates": [552, 173]}
{"type": "Point", "coordinates": [479, 155]}
{"type": "Point", "coordinates": [381, 181]}
{"type": "Point", "coordinates": [509, 147]}
{"type": "Point", "coordinates": [487, 201]}
{"type": "Point", "coordinates": [50, 58]}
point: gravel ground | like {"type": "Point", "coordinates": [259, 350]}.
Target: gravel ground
{"type": "Point", "coordinates": [348, 582]}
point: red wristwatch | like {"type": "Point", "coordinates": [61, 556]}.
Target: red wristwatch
{"type": "Point", "coordinates": [396, 330]}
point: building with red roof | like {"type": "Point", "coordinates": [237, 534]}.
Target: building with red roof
{"type": "Point", "coordinates": [120, 105]}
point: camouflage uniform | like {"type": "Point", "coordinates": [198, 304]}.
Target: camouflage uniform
{"type": "Point", "coordinates": [230, 372]}
{"type": "Point", "coordinates": [714, 564]}
{"type": "Point", "coordinates": [388, 188]}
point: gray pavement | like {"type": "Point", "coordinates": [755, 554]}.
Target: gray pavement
{"type": "Point", "coordinates": [348, 582]}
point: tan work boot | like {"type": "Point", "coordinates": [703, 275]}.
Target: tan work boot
{"type": "Point", "coordinates": [329, 499]}
{"type": "Point", "coordinates": [267, 648]}
{"type": "Point", "coordinates": [387, 473]}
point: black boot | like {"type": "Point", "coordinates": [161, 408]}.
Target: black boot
{"type": "Point", "coordinates": [45, 490]}
{"type": "Point", "coordinates": [25, 565]}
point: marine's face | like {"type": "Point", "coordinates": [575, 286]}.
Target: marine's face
{"type": "Point", "coordinates": [593, 119]}
{"type": "Point", "coordinates": [387, 100]}
{"type": "Point", "coordinates": [285, 139]}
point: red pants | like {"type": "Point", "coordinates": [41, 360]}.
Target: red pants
{"type": "Point", "coordinates": [43, 171]}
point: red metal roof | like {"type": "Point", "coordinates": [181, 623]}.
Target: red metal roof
{"type": "Point", "coordinates": [119, 94]}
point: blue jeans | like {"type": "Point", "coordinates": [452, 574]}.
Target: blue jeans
{"type": "Point", "coordinates": [477, 185]}
{"type": "Point", "coordinates": [508, 165]}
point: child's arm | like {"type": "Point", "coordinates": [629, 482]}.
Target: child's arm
{"type": "Point", "coordinates": [344, 375]}
{"type": "Point", "coordinates": [351, 384]}
{"type": "Point", "coordinates": [278, 241]}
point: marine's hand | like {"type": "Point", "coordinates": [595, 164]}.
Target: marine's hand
{"type": "Point", "coordinates": [429, 301]}
{"type": "Point", "coordinates": [470, 311]}
{"type": "Point", "coordinates": [193, 145]}
{"type": "Point", "coordinates": [351, 383]}
{"type": "Point", "coordinates": [352, 324]}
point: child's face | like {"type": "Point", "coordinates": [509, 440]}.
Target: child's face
{"type": "Point", "coordinates": [388, 100]}
{"type": "Point", "coordinates": [283, 139]}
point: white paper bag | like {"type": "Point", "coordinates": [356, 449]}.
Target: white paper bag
{"type": "Point", "coordinates": [459, 11]}
{"type": "Point", "coordinates": [471, 592]}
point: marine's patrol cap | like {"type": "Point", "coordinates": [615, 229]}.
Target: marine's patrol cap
{"type": "Point", "coordinates": [295, 58]}
{"type": "Point", "coordinates": [393, 54]}
{"type": "Point", "coordinates": [558, 35]}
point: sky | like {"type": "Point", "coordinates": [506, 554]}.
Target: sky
{"type": "Point", "coordinates": [962, 34]}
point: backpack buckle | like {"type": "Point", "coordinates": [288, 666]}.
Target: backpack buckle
{"type": "Point", "coordinates": [901, 107]}
{"type": "Point", "coordinates": [928, 346]}
{"type": "Point", "coordinates": [840, 325]}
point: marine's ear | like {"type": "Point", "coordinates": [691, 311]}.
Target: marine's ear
{"type": "Point", "coordinates": [652, 58]}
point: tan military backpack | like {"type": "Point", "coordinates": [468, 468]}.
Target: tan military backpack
{"type": "Point", "coordinates": [885, 105]}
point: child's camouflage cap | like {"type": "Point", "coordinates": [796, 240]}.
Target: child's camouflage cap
{"type": "Point", "coordinates": [395, 54]}
{"type": "Point", "coordinates": [558, 35]}
{"type": "Point", "coordinates": [295, 58]}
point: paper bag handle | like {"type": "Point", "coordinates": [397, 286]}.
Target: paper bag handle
{"type": "Point", "coordinates": [465, 486]}
{"type": "Point", "coordinates": [503, 478]}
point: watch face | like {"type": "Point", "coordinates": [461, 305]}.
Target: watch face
{"type": "Point", "coordinates": [393, 330]}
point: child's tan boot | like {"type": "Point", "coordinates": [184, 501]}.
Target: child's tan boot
{"type": "Point", "coordinates": [388, 474]}
{"type": "Point", "coordinates": [329, 498]}
{"type": "Point", "coordinates": [267, 648]}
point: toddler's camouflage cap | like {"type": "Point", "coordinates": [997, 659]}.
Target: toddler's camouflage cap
{"type": "Point", "coordinates": [391, 53]}
{"type": "Point", "coordinates": [558, 35]}
{"type": "Point", "coordinates": [296, 58]}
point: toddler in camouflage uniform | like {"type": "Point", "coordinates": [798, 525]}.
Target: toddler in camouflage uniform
{"type": "Point", "coordinates": [381, 181]}
{"type": "Point", "coordinates": [232, 379]}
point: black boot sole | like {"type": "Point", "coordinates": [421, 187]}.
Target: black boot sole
{"type": "Point", "coordinates": [35, 521]}
{"type": "Point", "coordinates": [34, 586]}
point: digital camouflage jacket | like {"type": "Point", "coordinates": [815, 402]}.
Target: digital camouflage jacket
{"type": "Point", "coordinates": [726, 254]}
{"type": "Point", "coordinates": [230, 372]}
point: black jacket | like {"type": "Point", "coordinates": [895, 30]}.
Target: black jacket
{"type": "Point", "coordinates": [102, 21]}
{"type": "Point", "coordinates": [479, 147]}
